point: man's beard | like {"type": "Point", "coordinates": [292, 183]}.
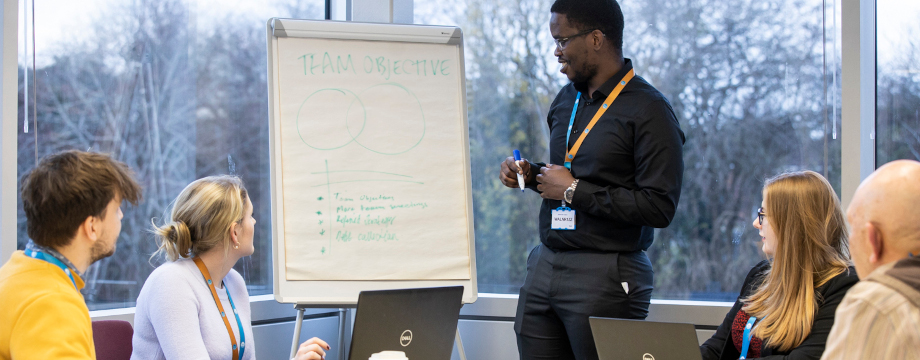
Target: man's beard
{"type": "Point", "coordinates": [583, 75]}
{"type": "Point", "coordinates": [99, 251]}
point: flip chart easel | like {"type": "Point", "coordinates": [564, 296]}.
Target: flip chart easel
{"type": "Point", "coordinates": [359, 116]}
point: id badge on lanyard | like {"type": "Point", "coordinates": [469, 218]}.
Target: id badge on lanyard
{"type": "Point", "coordinates": [563, 218]}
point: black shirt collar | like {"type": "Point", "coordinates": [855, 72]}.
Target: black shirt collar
{"type": "Point", "coordinates": [608, 86]}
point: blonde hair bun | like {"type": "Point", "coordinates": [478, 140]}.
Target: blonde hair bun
{"type": "Point", "coordinates": [201, 217]}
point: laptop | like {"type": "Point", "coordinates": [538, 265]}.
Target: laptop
{"type": "Point", "coordinates": [418, 322]}
{"type": "Point", "coordinates": [644, 340]}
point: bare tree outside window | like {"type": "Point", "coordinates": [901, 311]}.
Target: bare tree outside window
{"type": "Point", "coordinates": [177, 90]}
{"type": "Point", "coordinates": [898, 82]}
{"type": "Point", "coordinates": [746, 79]}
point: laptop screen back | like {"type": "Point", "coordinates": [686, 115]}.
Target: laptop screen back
{"type": "Point", "coordinates": [644, 340]}
{"type": "Point", "coordinates": [419, 322]}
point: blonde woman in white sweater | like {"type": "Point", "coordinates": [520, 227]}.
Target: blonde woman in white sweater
{"type": "Point", "coordinates": [195, 306]}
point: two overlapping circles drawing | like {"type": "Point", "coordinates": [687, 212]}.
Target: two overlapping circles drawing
{"type": "Point", "coordinates": [386, 119]}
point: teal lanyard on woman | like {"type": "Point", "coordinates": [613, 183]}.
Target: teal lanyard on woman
{"type": "Point", "coordinates": [746, 341]}
{"type": "Point", "coordinates": [239, 324]}
{"type": "Point", "coordinates": [237, 351]}
{"type": "Point", "coordinates": [54, 261]}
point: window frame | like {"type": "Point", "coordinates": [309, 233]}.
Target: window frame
{"type": "Point", "coordinates": [858, 156]}
{"type": "Point", "coordinates": [9, 107]}
{"type": "Point", "coordinates": [858, 98]}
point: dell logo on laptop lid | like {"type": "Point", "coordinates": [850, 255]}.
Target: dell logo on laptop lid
{"type": "Point", "coordinates": [648, 356]}
{"type": "Point", "coordinates": [405, 338]}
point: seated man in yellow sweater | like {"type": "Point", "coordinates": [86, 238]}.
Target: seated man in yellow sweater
{"type": "Point", "coordinates": [72, 201]}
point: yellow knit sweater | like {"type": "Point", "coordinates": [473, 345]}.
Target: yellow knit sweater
{"type": "Point", "coordinates": [42, 315]}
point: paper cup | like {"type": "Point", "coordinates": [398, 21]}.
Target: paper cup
{"type": "Point", "coordinates": [389, 355]}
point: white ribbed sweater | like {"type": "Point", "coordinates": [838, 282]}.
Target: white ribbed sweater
{"type": "Point", "coordinates": [176, 317]}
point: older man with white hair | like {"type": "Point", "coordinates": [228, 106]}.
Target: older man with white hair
{"type": "Point", "coordinates": [880, 316]}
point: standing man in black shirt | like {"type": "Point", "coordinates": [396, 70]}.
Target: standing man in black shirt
{"type": "Point", "coordinates": [616, 167]}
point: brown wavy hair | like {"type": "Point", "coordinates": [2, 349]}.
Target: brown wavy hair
{"type": "Point", "coordinates": [66, 188]}
{"type": "Point", "coordinates": [811, 249]}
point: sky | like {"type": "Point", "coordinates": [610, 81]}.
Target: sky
{"type": "Point", "coordinates": [894, 18]}
{"type": "Point", "coordinates": [65, 21]}
{"type": "Point", "coordinates": [60, 21]}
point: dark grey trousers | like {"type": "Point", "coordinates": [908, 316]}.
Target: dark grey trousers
{"type": "Point", "coordinates": [562, 289]}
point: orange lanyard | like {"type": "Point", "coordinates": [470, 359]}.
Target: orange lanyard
{"type": "Point", "coordinates": [237, 355]}
{"type": "Point", "coordinates": [570, 155]}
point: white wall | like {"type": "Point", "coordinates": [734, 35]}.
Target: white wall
{"type": "Point", "coordinates": [9, 101]}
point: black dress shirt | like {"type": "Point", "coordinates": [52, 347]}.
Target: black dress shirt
{"type": "Point", "coordinates": [629, 167]}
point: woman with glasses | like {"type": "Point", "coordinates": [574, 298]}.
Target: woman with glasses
{"type": "Point", "coordinates": [195, 306]}
{"type": "Point", "coordinates": [787, 303]}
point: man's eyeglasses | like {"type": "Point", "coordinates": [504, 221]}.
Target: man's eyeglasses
{"type": "Point", "coordinates": [562, 42]}
{"type": "Point", "coordinates": [760, 215]}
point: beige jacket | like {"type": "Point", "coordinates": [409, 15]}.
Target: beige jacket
{"type": "Point", "coordinates": [880, 317]}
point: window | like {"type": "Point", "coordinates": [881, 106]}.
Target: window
{"type": "Point", "coordinates": [898, 81]}
{"type": "Point", "coordinates": [754, 84]}
{"type": "Point", "coordinates": [176, 89]}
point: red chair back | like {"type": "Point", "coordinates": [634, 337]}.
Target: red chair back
{"type": "Point", "coordinates": [113, 339]}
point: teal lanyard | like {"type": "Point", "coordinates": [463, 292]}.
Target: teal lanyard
{"type": "Point", "coordinates": [237, 350]}
{"type": "Point", "coordinates": [54, 261]}
{"type": "Point", "coordinates": [746, 342]}
{"type": "Point", "coordinates": [238, 323]}
{"type": "Point", "coordinates": [568, 134]}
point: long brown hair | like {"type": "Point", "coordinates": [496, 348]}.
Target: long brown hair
{"type": "Point", "coordinates": [811, 248]}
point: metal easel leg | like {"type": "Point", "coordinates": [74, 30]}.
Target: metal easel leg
{"type": "Point", "coordinates": [460, 346]}
{"type": "Point", "coordinates": [297, 324]}
{"type": "Point", "coordinates": [341, 334]}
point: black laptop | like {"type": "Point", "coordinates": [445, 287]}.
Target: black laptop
{"type": "Point", "coordinates": [644, 340]}
{"type": "Point", "coordinates": [418, 322]}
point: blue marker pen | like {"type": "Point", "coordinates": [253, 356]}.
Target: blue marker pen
{"type": "Point", "coordinates": [517, 158]}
